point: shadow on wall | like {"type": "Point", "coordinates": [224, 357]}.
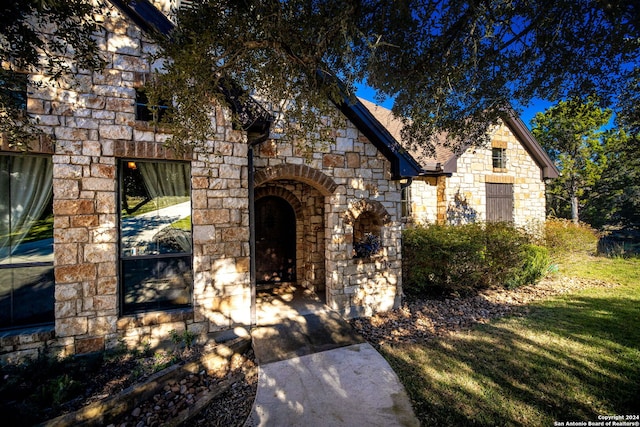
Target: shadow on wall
{"type": "Point", "coordinates": [459, 212]}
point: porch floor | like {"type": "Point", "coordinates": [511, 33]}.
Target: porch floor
{"type": "Point", "coordinates": [315, 370]}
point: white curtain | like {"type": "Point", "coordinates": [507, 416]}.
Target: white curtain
{"type": "Point", "coordinates": [26, 186]}
{"type": "Point", "coordinates": [168, 180]}
{"type": "Point", "coordinates": [165, 179]}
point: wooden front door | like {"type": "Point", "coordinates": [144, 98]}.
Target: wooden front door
{"type": "Point", "coordinates": [275, 241]}
{"type": "Point", "coordinates": [499, 202]}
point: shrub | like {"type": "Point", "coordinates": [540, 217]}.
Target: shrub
{"type": "Point", "coordinates": [535, 265]}
{"type": "Point", "coordinates": [504, 253]}
{"type": "Point", "coordinates": [563, 237]}
{"type": "Point", "coordinates": [445, 259]}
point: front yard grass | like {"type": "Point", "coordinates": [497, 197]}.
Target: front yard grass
{"type": "Point", "coordinates": [571, 358]}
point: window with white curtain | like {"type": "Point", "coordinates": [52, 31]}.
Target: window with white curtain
{"type": "Point", "coordinates": [26, 241]}
{"type": "Point", "coordinates": [155, 235]}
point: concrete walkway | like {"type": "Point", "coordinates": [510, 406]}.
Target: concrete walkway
{"type": "Point", "coordinates": [315, 370]}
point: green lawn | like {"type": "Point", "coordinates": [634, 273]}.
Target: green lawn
{"type": "Point", "coordinates": [571, 358]}
{"type": "Point", "coordinates": [153, 204]}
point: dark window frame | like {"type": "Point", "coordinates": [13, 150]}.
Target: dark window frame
{"type": "Point", "coordinates": [146, 112]}
{"type": "Point", "coordinates": [32, 266]}
{"type": "Point", "coordinates": [15, 89]}
{"type": "Point", "coordinates": [129, 309]}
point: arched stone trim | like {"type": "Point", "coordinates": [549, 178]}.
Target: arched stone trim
{"type": "Point", "coordinates": [360, 206]}
{"type": "Point", "coordinates": [303, 173]}
{"type": "Point", "coordinates": [283, 193]}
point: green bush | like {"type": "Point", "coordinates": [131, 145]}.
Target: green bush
{"type": "Point", "coordinates": [445, 259]}
{"type": "Point", "coordinates": [535, 265]}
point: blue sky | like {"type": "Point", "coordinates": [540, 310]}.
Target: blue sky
{"type": "Point", "coordinates": [537, 106]}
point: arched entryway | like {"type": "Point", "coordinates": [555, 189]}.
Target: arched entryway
{"type": "Point", "coordinates": [275, 241]}
{"type": "Point", "coordinates": [279, 190]}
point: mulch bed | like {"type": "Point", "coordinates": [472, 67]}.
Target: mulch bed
{"type": "Point", "coordinates": [424, 319]}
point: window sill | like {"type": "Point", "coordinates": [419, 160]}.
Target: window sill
{"type": "Point", "coordinates": [37, 333]}
{"type": "Point", "coordinates": [150, 126]}
{"type": "Point", "coordinates": [151, 318]}
{"type": "Point", "coordinates": [500, 170]}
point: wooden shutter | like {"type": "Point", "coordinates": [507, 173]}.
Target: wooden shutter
{"type": "Point", "coordinates": [499, 202]}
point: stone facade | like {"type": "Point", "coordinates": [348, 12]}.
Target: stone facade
{"type": "Point", "coordinates": [93, 124]}
{"type": "Point", "coordinates": [434, 199]}
{"type": "Point", "coordinates": [336, 185]}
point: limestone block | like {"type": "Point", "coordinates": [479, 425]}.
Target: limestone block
{"type": "Point", "coordinates": [82, 120]}
{"type": "Point", "coordinates": [91, 148]}
{"type": "Point", "coordinates": [129, 63]}
{"type": "Point", "coordinates": [123, 44]}
{"type": "Point", "coordinates": [103, 115]}
{"type": "Point", "coordinates": [105, 302]}
{"type": "Point", "coordinates": [89, 345]}
{"type": "Point", "coordinates": [333, 161]}
{"type": "Point", "coordinates": [100, 252]}
{"type": "Point", "coordinates": [47, 120]}
{"type": "Point", "coordinates": [203, 233]}
{"type": "Point", "coordinates": [115, 132]}
{"type": "Point", "coordinates": [71, 134]}
{"type": "Point", "coordinates": [107, 269]}
{"type": "Point", "coordinates": [230, 171]}
{"type": "Point", "coordinates": [234, 234]}
{"type": "Point", "coordinates": [70, 326]}
{"type": "Point", "coordinates": [71, 207]}
{"type": "Point", "coordinates": [65, 189]}
{"type": "Point", "coordinates": [344, 144]}
{"type": "Point", "coordinates": [107, 285]}
{"type": "Point", "coordinates": [98, 184]}
{"type": "Point", "coordinates": [67, 292]}
{"type": "Point", "coordinates": [84, 221]}
{"type": "Point", "coordinates": [235, 203]}
{"type": "Point", "coordinates": [117, 91]}
{"type": "Point", "coordinates": [73, 274]}
{"type": "Point", "coordinates": [211, 216]}
{"type": "Point", "coordinates": [65, 309]}
{"type": "Point", "coordinates": [70, 235]}
{"type": "Point", "coordinates": [66, 253]}
{"type": "Point", "coordinates": [106, 204]}
{"type": "Point", "coordinates": [60, 223]}
{"type": "Point", "coordinates": [102, 325]}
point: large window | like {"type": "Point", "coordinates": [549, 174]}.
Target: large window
{"type": "Point", "coordinates": [26, 241]}
{"type": "Point", "coordinates": [155, 235]}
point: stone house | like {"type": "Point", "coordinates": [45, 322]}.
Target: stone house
{"type": "Point", "coordinates": [504, 181]}
{"type": "Point", "coordinates": [109, 236]}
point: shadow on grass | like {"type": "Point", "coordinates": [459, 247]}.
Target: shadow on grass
{"type": "Point", "coordinates": [568, 360]}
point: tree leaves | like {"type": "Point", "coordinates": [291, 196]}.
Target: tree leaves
{"type": "Point", "coordinates": [449, 66]}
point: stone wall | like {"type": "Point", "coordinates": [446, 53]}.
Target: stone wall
{"type": "Point", "coordinates": [360, 176]}
{"type": "Point", "coordinates": [467, 185]}
{"type": "Point", "coordinates": [93, 124]}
